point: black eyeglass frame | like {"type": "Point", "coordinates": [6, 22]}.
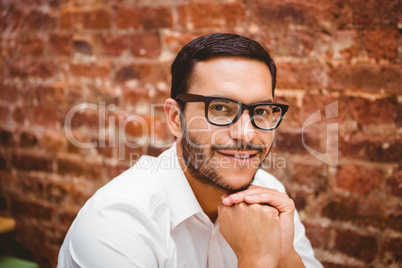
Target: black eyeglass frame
{"type": "Point", "coordinates": [186, 97]}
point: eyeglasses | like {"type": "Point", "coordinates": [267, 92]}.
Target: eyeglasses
{"type": "Point", "coordinates": [223, 111]}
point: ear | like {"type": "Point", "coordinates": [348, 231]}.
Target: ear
{"type": "Point", "coordinates": [172, 112]}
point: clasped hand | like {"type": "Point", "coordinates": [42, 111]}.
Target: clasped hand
{"type": "Point", "coordinates": [258, 224]}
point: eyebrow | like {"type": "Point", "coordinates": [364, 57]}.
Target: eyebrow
{"type": "Point", "coordinates": [218, 96]}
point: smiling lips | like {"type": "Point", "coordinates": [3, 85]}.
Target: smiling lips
{"type": "Point", "coordinates": [240, 155]}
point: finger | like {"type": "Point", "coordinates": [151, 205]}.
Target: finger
{"type": "Point", "coordinates": [281, 203]}
{"type": "Point", "coordinates": [241, 196]}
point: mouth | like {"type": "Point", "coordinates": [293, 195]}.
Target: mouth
{"type": "Point", "coordinates": [241, 156]}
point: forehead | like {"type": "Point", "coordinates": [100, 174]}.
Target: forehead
{"type": "Point", "coordinates": [241, 79]}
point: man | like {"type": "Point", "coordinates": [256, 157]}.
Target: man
{"type": "Point", "coordinates": [204, 202]}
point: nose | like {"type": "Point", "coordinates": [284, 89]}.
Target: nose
{"type": "Point", "coordinates": [243, 129]}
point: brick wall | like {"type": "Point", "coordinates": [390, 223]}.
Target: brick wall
{"type": "Point", "coordinates": [115, 56]}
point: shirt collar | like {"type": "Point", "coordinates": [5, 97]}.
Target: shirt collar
{"type": "Point", "coordinates": [183, 203]}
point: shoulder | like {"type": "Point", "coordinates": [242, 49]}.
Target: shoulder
{"type": "Point", "coordinates": [140, 186]}
{"type": "Point", "coordinates": [267, 180]}
{"type": "Point", "coordinates": [128, 215]}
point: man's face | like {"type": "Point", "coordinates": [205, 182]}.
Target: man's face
{"type": "Point", "coordinates": [226, 157]}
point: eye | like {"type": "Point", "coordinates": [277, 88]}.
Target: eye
{"type": "Point", "coordinates": [220, 108]}
{"type": "Point", "coordinates": [261, 111]}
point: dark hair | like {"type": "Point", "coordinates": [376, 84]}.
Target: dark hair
{"type": "Point", "coordinates": [213, 46]}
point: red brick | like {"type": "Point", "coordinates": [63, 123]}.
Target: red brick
{"type": "Point", "coordinates": [60, 44]}
{"type": "Point", "coordinates": [25, 161]}
{"type": "Point", "coordinates": [151, 72]}
{"type": "Point", "coordinates": [68, 214]}
{"type": "Point", "coordinates": [292, 43]}
{"type": "Point", "coordinates": [212, 15]}
{"type": "Point", "coordinates": [79, 18]}
{"type": "Point", "coordinates": [115, 170]}
{"type": "Point", "coordinates": [30, 67]}
{"type": "Point", "coordinates": [398, 115]}
{"type": "Point", "coordinates": [33, 185]}
{"type": "Point", "coordinates": [71, 19]}
{"type": "Point", "coordinates": [371, 148]}
{"type": "Point", "coordinates": [394, 217]}
{"type": "Point", "coordinates": [133, 97]}
{"type": "Point", "coordinates": [113, 44]}
{"type": "Point", "coordinates": [128, 17]}
{"type": "Point", "coordinates": [100, 18]}
{"type": "Point", "coordinates": [104, 147]}
{"type": "Point", "coordinates": [361, 212]}
{"type": "Point", "coordinates": [155, 151]}
{"type": "Point", "coordinates": [12, 18]}
{"type": "Point", "coordinates": [73, 144]}
{"type": "Point", "coordinates": [160, 130]}
{"type": "Point", "coordinates": [82, 46]}
{"type": "Point", "coordinates": [381, 43]}
{"type": "Point", "coordinates": [31, 45]}
{"type": "Point", "coordinates": [80, 192]}
{"type": "Point", "coordinates": [3, 204]}
{"type": "Point", "coordinates": [314, 103]}
{"type": "Point", "coordinates": [283, 13]}
{"type": "Point", "coordinates": [146, 45]}
{"type": "Point", "coordinates": [129, 153]}
{"type": "Point", "coordinates": [313, 177]}
{"type": "Point", "coordinates": [3, 162]}
{"type": "Point", "coordinates": [292, 142]}
{"type": "Point", "coordinates": [135, 125]}
{"type": "Point", "coordinates": [360, 246]}
{"type": "Point", "coordinates": [126, 73]}
{"type": "Point", "coordinates": [149, 17]}
{"type": "Point", "coordinates": [56, 192]}
{"type": "Point", "coordinates": [8, 91]}
{"type": "Point", "coordinates": [53, 142]}
{"type": "Point", "coordinates": [393, 249]}
{"type": "Point", "coordinates": [84, 118]}
{"type": "Point", "coordinates": [300, 198]}
{"type": "Point", "coordinates": [28, 140]}
{"type": "Point", "coordinates": [4, 114]}
{"type": "Point", "coordinates": [357, 179]}
{"type": "Point", "coordinates": [37, 115]}
{"type": "Point", "coordinates": [301, 76]}
{"type": "Point", "coordinates": [6, 138]}
{"type": "Point", "coordinates": [175, 41]}
{"type": "Point", "coordinates": [42, 21]}
{"type": "Point", "coordinates": [394, 185]}
{"type": "Point", "coordinates": [367, 77]}
{"type": "Point", "coordinates": [33, 209]}
{"type": "Point", "coordinates": [77, 167]}
{"type": "Point", "coordinates": [318, 235]}
{"type": "Point", "coordinates": [342, 45]}
{"type": "Point", "coordinates": [90, 70]}
{"type": "Point", "coordinates": [377, 12]}
{"type": "Point", "coordinates": [52, 95]}
{"type": "Point", "coordinates": [104, 94]}
{"type": "Point", "coordinates": [378, 112]}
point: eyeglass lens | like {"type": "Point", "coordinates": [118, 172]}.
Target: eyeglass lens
{"type": "Point", "coordinates": [223, 112]}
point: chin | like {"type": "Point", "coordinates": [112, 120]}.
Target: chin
{"type": "Point", "coordinates": [238, 179]}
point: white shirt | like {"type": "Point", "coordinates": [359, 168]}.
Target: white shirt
{"type": "Point", "coordinates": [149, 217]}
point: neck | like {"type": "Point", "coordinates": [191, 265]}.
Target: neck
{"type": "Point", "coordinates": [207, 196]}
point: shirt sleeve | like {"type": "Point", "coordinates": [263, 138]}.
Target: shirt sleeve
{"type": "Point", "coordinates": [303, 246]}
{"type": "Point", "coordinates": [113, 233]}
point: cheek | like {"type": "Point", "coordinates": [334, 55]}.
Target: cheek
{"type": "Point", "coordinates": [220, 136]}
{"type": "Point", "coordinates": [266, 137]}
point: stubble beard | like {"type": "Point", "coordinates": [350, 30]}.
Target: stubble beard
{"type": "Point", "coordinates": [202, 168]}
